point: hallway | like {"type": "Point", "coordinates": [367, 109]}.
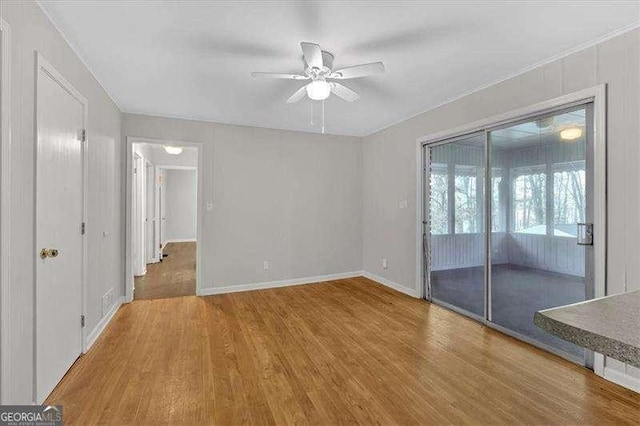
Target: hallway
{"type": "Point", "coordinates": [175, 276]}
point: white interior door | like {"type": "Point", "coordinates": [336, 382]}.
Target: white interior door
{"type": "Point", "coordinates": [161, 212]}
{"type": "Point", "coordinates": [59, 229]}
{"type": "Point", "coordinates": [160, 223]}
{"type": "Point", "coordinates": [135, 215]}
{"type": "Point", "coordinates": [150, 214]}
{"type": "Point", "coordinates": [143, 216]}
{"type": "Point", "coordinates": [138, 216]}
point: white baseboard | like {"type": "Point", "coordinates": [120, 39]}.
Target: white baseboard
{"type": "Point", "coordinates": [391, 284]}
{"type": "Point", "coordinates": [622, 379]}
{"type": "Point", "coordinates": [180, 240]}
{"type": "Point", "coordinates": [97, 331]}
{"type": "Point", "coordinates": [274, 284]}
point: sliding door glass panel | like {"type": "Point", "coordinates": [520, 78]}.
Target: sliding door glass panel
{"type": "Point", "coordinates": [538, 196]}
{"type": "Point", "coordinates": [456, 224]}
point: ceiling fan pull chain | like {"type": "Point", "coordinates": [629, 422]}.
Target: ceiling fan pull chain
{"type": "Point", "coordinates": [313, 112]}
{"type": "Point", "coordinates": [323, 116]}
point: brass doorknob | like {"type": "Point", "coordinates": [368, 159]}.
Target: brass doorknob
{"type": "Point", "coordinates": [45, 252]}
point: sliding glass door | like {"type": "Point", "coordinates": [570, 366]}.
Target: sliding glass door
{"type": "Point", "coordinates": [540, 169]}
{"type": "Point", "coordinates": [530, 183]}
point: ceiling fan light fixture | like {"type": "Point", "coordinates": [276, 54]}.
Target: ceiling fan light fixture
{"type": "Point", "coordinates": [173, 150]}
{"type": "Point", "coordinates": [318, 90]}
{"type": "Point", "coordinates": [571, 133]}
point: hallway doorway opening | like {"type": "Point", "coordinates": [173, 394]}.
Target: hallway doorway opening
{"type": "Point", "coordinates": [163, 212]}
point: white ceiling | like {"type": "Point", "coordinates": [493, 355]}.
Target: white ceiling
{"type": "Point", "coordinates": [193, 59]}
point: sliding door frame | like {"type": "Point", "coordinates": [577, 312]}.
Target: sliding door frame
{"type": "Point", "coordinates": [595, 95]}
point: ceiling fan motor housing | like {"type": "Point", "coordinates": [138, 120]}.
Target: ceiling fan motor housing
{"type": "Point", "coordinates": [327, 62]}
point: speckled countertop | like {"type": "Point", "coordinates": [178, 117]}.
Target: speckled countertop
{"type": "Point", "coordinates": [609, 325]}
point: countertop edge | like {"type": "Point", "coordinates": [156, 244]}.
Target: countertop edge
{"type": "Point", "coordinates": [599, 343]}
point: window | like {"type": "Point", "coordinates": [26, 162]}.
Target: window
{"type": "Point", "coordinates": [466, 208]}
{"type": "Point", "coordinates": [569, 184]}
{"type": "Point", "coordinates": [439, 200]}
{"type": "Point", "coordinates": [529, 200]}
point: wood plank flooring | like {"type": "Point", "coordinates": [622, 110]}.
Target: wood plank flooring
{"type": "Point", "coordinates": [173, 277]}
{"type": "Point", "coordinates": [347, 351]}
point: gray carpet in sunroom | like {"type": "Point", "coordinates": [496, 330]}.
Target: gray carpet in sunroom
{"type": "Point", "coordinates": [518, 292]}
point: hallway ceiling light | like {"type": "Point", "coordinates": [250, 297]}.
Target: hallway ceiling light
{"type": "Point", "coordinates": [173, 150]}
{"type": "Point", "coordinates": [571, 133]}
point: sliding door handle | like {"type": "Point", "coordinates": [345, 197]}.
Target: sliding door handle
{"type": "Point", "coordinates": [585, 234]}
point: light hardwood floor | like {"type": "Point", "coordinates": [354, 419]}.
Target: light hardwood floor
{"type": "Point", "coordinates": [173, 277]}
{"type": "Point", "coordinates": [348, 351]}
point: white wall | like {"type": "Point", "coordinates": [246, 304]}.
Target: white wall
{"type": "Point", "coordinates": [31, 31]}
{"type": "Point", "coordinates": [290, 198]}
{"type": "Point", "coordinates": [389, 162]}
{"type": "Point", "coordinates": [181, 202]}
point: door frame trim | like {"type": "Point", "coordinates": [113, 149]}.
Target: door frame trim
{"type": "Point", "coordinates": [128, 261]}
{"type": "Point", "coordinates": [596, 94]}
{"type": "Point", "coordinates": [5, 202]}
{"type": "Point", "coordinates": [42, 65]}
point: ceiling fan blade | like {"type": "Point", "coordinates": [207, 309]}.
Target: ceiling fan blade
{"type": "Point", "coordinates": [312, 54]}
{"type": "Point", "coordinates": [279, 75]}
{"type": "Point", "coordinates": [359, 71]}
{"type": "Point", "coordinates": [343, 92]}
{"type": "Point", "coordinates": [299, 94]}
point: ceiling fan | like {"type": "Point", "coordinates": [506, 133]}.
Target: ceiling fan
{"type": "Point", "coordinates": [318, 67]}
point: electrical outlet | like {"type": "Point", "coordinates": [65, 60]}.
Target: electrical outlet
{"type": "Point", "coordinates": [265, 265]}
{"type": "Point", "coordinates": [384, 263]}
{"type": "Point", "coordinates": [209, 206]}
